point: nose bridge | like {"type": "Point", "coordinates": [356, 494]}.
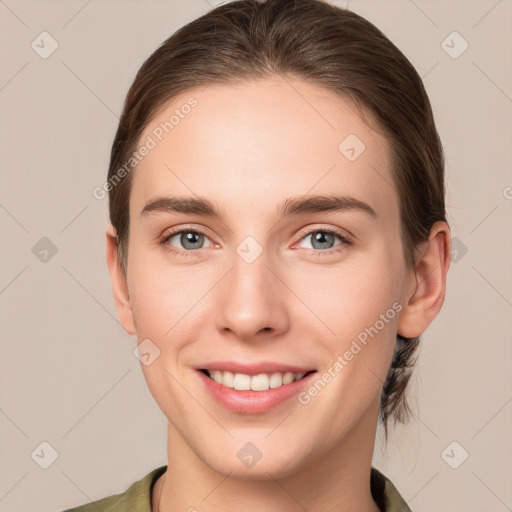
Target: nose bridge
{"type": "Point", "coordinates": [250, 300]}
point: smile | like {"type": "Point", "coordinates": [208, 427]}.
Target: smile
{"type": "Point", "coordinates": [260, 382]}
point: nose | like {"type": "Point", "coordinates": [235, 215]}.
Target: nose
{"type": "Point", "coordinates": [252, 300]}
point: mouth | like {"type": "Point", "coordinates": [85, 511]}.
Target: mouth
{"type": "Point", "coordinates": [255, 387]}
{"type": "Point", "coordinates": [259, 382]}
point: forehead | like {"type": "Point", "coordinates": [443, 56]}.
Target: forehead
{"type": "Point", "coordinates": [264, 138]}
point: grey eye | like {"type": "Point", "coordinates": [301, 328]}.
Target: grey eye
{"type": "Point", "coordinates": [189, 240]}
{"type": "Point", "coordinates": [322, 239]}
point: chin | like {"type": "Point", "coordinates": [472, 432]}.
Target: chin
{"type": "Point", "coordinates": [254, 461]}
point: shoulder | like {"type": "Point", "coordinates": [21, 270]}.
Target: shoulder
{"type": "Point", "coordinates": [385, 494]}
{"type": "Point", "coordinates": [136, 497]}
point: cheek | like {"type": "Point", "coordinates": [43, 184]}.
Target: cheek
{"type": "Point", "coordinates": [359, 305]}
{"type": "Point", "coordinates": [361, 309]}
{"type": "Point", "coordinates": [351, 296]}
{"type": "Point", "coordinates": [163, 301]}
{"type": "Point", "coordinates": [161, 293]}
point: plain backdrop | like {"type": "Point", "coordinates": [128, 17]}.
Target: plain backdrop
{"type": "Point", "coordinates": [68, 374]}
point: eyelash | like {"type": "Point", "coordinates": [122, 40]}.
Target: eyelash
{"type": "Point", "coordinates": [346, 241]}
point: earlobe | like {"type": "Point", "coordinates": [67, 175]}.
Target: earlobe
{"type": "Point", "coordinates": [119, 284]}
{"type": "Point", "coordinates": [422, 303]}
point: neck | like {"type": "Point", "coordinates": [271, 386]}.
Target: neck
{"type": "Point", "coordinates": [335, 481]}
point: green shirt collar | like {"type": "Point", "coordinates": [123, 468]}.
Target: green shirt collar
{"type": "Point", "coordinates": [138, 496]}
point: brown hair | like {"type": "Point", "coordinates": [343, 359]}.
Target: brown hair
{"type": "Point", "coordinates": [327, 46]}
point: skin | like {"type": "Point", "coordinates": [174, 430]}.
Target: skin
{"type": "Point", "coordinates": [270, 139]}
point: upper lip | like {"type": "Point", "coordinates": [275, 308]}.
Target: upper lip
{"type": "Point", "coordinates": [254, 368]}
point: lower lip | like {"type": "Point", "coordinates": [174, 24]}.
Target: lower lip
{"type": "Point", "coordinates": [253, 402]}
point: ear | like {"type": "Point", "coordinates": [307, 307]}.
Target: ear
{"type": "Point", "coordinates": [119, 285]}
{"type": "Point", "coordinates": [425, 295]}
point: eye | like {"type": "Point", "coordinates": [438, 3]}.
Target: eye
{"type": "Point", "coordinates": [191, 240]}
{"type": "Point", "coordinates": [322, 241]}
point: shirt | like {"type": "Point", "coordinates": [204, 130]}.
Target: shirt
{"type": "Point", "coordinates": [137, 498]}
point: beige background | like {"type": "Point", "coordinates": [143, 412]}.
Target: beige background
{"type": "Point", "coordinates": [68, 373]}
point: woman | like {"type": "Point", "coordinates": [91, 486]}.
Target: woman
{"type": "Point", "coordinates": [278, 244]}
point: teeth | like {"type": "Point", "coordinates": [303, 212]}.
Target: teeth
{"type": "Point", "coordinates": [276, 380]}
{"type": "Point", "coordinates": [242, 382]}
{"type": "Point", "coordinates": [261, 382]}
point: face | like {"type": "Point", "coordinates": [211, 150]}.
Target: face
{"type": "Point", "coordinates": [277, 277]}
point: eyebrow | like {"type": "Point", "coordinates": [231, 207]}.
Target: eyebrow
{"type": "Point", "coordinates": [298, 205]}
